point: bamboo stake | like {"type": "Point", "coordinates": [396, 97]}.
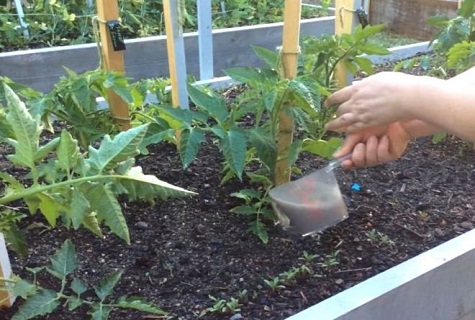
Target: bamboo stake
{"type": "Point", "coordinates": [345, 20]}
{"type": "Point", "coordinates": [6, 300]}
{"type": "Point", "coordinates": [290, 52]}
{"type": "Point", "coordinates": [112, 60]}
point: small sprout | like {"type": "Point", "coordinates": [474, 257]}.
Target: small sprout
{"type": "Point", "coordinates": [379, 238]}
{"type": "Point", "coordinates": [306, 257]}
{"type": "Point", "coordinates": [274, 284]}
{"type": "Point", "coordinates": [330, 261]}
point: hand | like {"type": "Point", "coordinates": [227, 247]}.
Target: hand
{"type": "Point", "coordinates": [374, 101]}
{"type": "Point", "coordinates": [377, 145]}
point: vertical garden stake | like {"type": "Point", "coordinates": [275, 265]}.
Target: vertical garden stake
{"type": "Point", "coordinates": [290, 52]}
{"type": "Point", "coordinates": [6, 300]}
{"type": "Point", "coordinates": [108, 12]}
{"type": "Point", "coordinates": [345, 21]}
{"type": "Point", "coordinates": [173, 11]}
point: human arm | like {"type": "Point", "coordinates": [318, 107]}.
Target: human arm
{"type": "Point", "coordinates": [388, 97]}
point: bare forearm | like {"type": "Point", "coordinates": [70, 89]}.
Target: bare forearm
{"type": "Point", "coordinates": [418, 128]}
{"type": "Point", "coordinates": [442, 104]}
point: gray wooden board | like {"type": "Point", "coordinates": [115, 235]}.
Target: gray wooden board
{"type": "Point", "coordinates": [147, 58]}
{"type": "Point", "coordinates": [439, 284]}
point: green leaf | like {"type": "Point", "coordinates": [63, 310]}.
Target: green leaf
{"type": "Point", "coordinates": [244, 210]}
{"type": "Point", "coordinates": [26, 129]}
{"type": "Point", "coordinates": [64, 261]}
{"type": "Point", "coordinates": [270, 57]}
{"type": "Point", "coordinates": [266, 147]}
{"type": "Point", "coordinates": [322, 148]}
{"type": "Point", "coordinates": [23, 288]}
{"type": "Point", "coordinates": [78, 286]}
{"type": "Point", "coordinates": [107, 284]}
{"type": "Point", "coordinates": [365, 64]}
{"type": "Point", "coordinates": [100, 312]}
{"type": "Point", "coordinates": [42, 303]}
{"type": "Point", "coordinates": [213, 104]}
{"type": "Point", "coordinates": [141, 186]}
{"type": "Point", "coordinates": [79, 208]}
{"type": "Point", "coordinates": [48, 206]}
{"type": "Point", "coordinates": [46, 149]}
{"type": "Point", "coordinates": [68, 152]}
{"type": "Point", "coordinates": [90, 222]}
{"type": "Point", "coordinates": [466, 9]}
{"type": "Point", "coordinates": [103, 201]}
{"type": "Point", "coordinates": [251, 75]}
{"type": "Point", "coordinates": [190, 143]}
{"type": "Point", "coordinates": [16, 239]}
{"type": "Point", "coordinates": [259, 229]}
{"type": "Point", "coordinates": [113, 151]}
{"type": "Point", "coordinates": [139, 304]}
{"type": "Point", "coordinates": [294, 150]}
{"type": "Point", "coordinates": [247, 194]}
{"type": "Point", "coordinates": [234, 150]}
{"type": "Point", "coordinates": [74, 303]}
{"type": "Point", "coordinates": [361, 33]}
{"type": "Point", "coordinates": [176, 118]}
{"type": "Point", "coordinates": [373, 49]}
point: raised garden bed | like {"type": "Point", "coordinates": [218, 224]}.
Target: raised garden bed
{"type": "Point", "coordinates": [185, 250]}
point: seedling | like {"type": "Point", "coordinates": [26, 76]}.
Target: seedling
{"type": "Point", "coordinates": [330, 261]}
{"type": "Point", "coordinates": [379, 238]}
{"type": "Point", "coordinates": [42, 301]}
{"type": "Point", "coordinates": [223, 306]}
{"type": "Point", "coordinates": [274, 284]}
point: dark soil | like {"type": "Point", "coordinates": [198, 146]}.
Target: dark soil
{"type": "Point", "coordinates": [184, 250]}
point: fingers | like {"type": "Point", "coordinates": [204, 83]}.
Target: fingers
{"type": "Point", "coordinates": [368, 153]}
{"type": "Point", "coordinates": [348, 145]}
{"type": "Point", "coordinates": [339, 97]}
{"type": "Point", "coordinates": [345, 120]}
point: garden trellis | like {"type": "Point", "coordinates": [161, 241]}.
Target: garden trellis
{"type": "Point", "coordinates": [107, 10]}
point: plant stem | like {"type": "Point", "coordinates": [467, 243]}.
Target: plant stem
{"type": "Point", "coordinates": [37, 189]}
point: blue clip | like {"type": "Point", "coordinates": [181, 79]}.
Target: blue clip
{"type": "Point", "coordinates": [355, 187]}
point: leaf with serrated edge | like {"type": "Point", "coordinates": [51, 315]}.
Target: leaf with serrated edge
{"type": "Point", "coordinates": [73, 303]}
{"type": "Point", "coordinates": [265, 146]}
{"type": "Point", "coordinates": [142, 186]}
{"type": "Point", "coordinates": [79, 208]}
{"type": "Point", "coordinates": [107, 284]}
{"type": "Point", "coordinates": [100, 312]}
{"type": "Point", "coordinates": [113, 151]}
{"type": "Point", "coordinates": [68, 151]}
{"type": "Point", "coordinates": [48, 207]}
{"type": "Point", "coordinates": [46, 149]}
{"type": "Point", "coordinates": [103, 201]}
{"type": "Point", "coordinates": [26, 129]}
{"type": "Point", "coordinates": [140, 304]}
{"type": "Point", "coordinates": [42, 303]}
{"type": "Point", "coordinates": [190, 144]}
{"type": "Point", "coordinates": [23, 288]}
{"type": "Point", "coordinates": [215, 105]}
{"type": "Point", "coordinates": [78, 286]}
{"type": "Point", "coordinates": [64, 261]}
{"type": "Point", "coordinates": [234, 150]}
{"type": "Point", "coordinates": [91, 223]}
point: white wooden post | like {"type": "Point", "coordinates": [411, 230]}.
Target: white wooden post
{"type": "Point", "coordinates": [6, 300]}
{"type": "Point", "coordinates": [176, 52]}
{"type": "Point", "coordinates": [21, 17]}
{"type": "Point", "coordinates": [205, 40]}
